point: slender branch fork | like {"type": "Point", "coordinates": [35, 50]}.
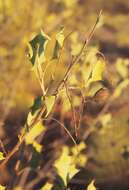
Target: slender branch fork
{"type": "Point", "coordinates": [40, 113]}
{"type": "Point", "coordinates": [86, 42]}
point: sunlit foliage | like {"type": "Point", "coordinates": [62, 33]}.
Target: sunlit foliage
{"type": "Point", "coordinates": [64, 78]}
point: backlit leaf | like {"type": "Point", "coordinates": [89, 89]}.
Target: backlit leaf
{"type": "Point", "coordinates": [2, 156]}
{"type": "Point", "coordinates": [91, 186]}
{"type": "Point", "coordinates": [34, 132]}
{"type": "Point", "coordinates": [54, 45]}
{"type": "Point", "coordinates": [49, 102]}
{"type": "Point", "coordinates": [93, 88]}
{"type": "Point", "coordinates": [120, 88]}
{"type": "Point", "coordinates": [70, 3]}
{"type": "Point", "coordinates": [98, 70]}
{"type": "Point", "coordinates": [53, 76]}
{"type": "Point", "coordinates": [122, 68]}
{"type": "Point", "coordinates": [54, 66]}
{"type": "Point", "coordinates": [65, 101]}
{"type": "Point", "coordinates": [18, 188]}
{"type": "Point", "coordinates": [75, 46]}
{"type": "Point", "coordinates": [105, 119]}
{"type": "Point", "coordinates": [47, 186]}
{"type": "Point", "coordinates": [80, 159]}
{"type": "Point", "coordinates": [2, 187]}
{"type": "Point", "coordinates": [37, 146]}
{"type": "Point", "coordinates": [65, 165]}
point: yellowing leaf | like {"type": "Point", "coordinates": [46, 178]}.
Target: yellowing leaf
{"type": "Point", "coordinates": [37, 146]}
{"type": "Point", "coordinates": [66, 106]}
{"type": "Point", "coordinates": [105, 119]}
{"type": "Point", "coordinates": [78, 148]}
{"type": "Point", "coordinates": [45, 56]}
{"type": "Point", "coordinates": [54, 66]}
{"type": "Point", "coordinates": [76, 49]}
{"type": "Point", "coordinates": [80, 159]}
{"type": "Point", "coordinates": [76, 46]}
{"type": "Point", "coordinates": [49, 102]}
{"type": "Point", "coordinates": [49, 51]}
{"type": "Point", "coordinates": [54, 74]}
{"type": "Point", "coordinates": [91, 186]}
{"type": "Point", "coordinates": [54, 46]}
{"type": "Point", "coordinates": [35, 109]}
{"type": "Point", "coordinates": [47, 186]}
{"type": "Point", "coordinates": [65, 166]}
{"type": "Point", "coordinates": [3, 51]}
{"type": "Point", "coordinates": [76, 101]}
{"type": "Point", "coordinates": [120, 88]}
{"type": "Point", "coordinates": [34, 132]}
{"type": "Point", "coordinates": [60, 37]}
{"type": "Point", "coordinates": [93, 88]}
{"type": "Point", "coordinates": [30, 118]}
{"type": "Point", "coordinates": [2, 156]}
{"type": "Point", "coordinates": [18, 188]}
{"type": "Point", "coordinates": [70, 3]}
{"type": "Point", "coordinates": [2, 187]}
{"type": "Point", "coordinates": [122, 68]}
{"type": "Point", "coordinates": [98, 70]}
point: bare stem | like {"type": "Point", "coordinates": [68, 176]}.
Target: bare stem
{"type": "Point", "coordinates": [3, 148]}
{"type": "Point", "coordinates": [67, 131]}
{"type": "Point", "coordinates": [73, 110]}
{"type": "Point", "coordinates": [86, 42]}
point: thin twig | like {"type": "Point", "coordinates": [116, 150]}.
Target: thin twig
{"type": "Point", "coordinates": [40, 113]}
{"type": "Point", "coordinates": [22, 138]}
{"type": "Point", "coordinates": [73, 110]}
{"type": "Point", "coordinates": [3, 148]}
{"type": "Point", "coordinates": [67, 131]}
{"type": "Point", "coordinates": [86, 42]}
{"type": "Point", "coordinates": [81, 111]}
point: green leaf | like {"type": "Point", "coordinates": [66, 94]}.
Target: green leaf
{"type": "Point", "coordinates": [37, 46]}
{"type": "Point", "coordinates": [35, 159]}
{"type": "Point", "coordinates": [2, 156]}
{"type": "Point", "coordinates": [38, 102]}
{"type": "Point", "coordinates": [45, 56]}
{"type": "Point", "coordinates": [59, 184]}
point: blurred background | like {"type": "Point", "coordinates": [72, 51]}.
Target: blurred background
{"type": "Point", "coordinates": [20, 21]}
